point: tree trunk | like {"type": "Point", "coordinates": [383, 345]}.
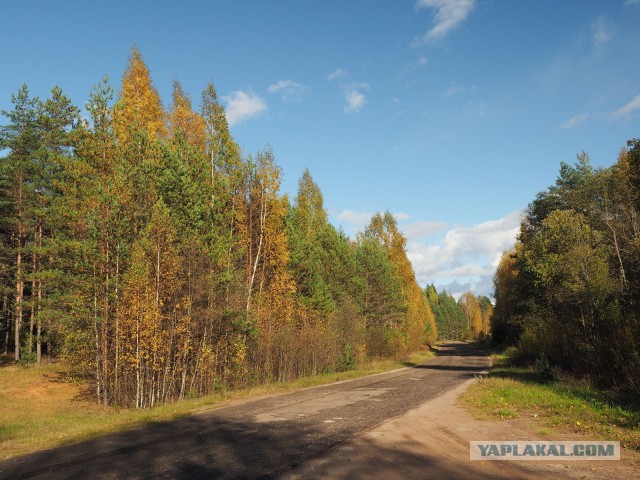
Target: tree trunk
{"type": "Point", "coordinates": [33, 304]}
{"type": "Point", "coordinates": [263, 215]}
{"type": "Point", "coordinates": [38, 308]}
{"type": "Point", "coordinates": [97, 339]}
{"type": "Point", "coordinates": [117, 339]}
{"type": "Point", "coordinates": [39, 325]}
{"type": "Point", "coordinates": [5, 312]}
{"type": "Point", "coordinates": [19, 293]}
{"type": "Point", "coordinates": [138, 392]}
{"type": "Point", "coordinates": [19, 281]}
{"type": "Point", "coordinates": [105, 331]}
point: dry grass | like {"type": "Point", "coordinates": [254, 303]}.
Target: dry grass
{"type": "Point", "coordinates": [40, 408]}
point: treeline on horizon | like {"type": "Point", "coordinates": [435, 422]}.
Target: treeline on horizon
{"type": "Point", "coordinates": [145, 250]}
{"type": "Point", "coordinates": [567, 294]}
{"type": "Point", "coordinates": [468, 318]}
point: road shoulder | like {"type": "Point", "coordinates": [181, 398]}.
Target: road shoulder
{"type": "Point", "coordinates": [432, 441]}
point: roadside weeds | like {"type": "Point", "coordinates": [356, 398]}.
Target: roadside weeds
{"type": "Point", "coordinates": [556, 405]}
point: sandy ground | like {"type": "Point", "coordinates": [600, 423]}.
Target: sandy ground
{"type": "Point", "coordinates": [432, 441]}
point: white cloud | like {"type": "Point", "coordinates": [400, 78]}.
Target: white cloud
{"type": "Point", "coordinates": [485, 238]}
{"type": "Point", "coordinates": [453, 90]}
{"type": "Point", "coordinates": [418, 63]}
{"type": "Point", "coordinates": [467, 255]}
{"type": "Point", "coordinates": [355, 101]}
{"type": "Point", "coordinates": [243, 106]}
{"type": "Point", "coordinates": [574, 121]}
{"type": "Point", "coordinates": [626, 110]}
{"type": "Point", "coordinates": [466, 271]}
{"type": "Point", "coordinates": [463, 259]}
{"type": "Point", "coordinates": [356, 85]}
{"type": "Point", "coordinates": [457, 288]}
{"type": "Point", "coordinates": [421, 229]}
{"type": "Point", "coordinates": [632, 2]}
{"type": "Point", "coordinates": [458, 90]}
{"type": "Point", "coordinates": [482, 286]}
{"type": "Point", "coordinates": [289, 90]}
{"type": "Point", "coordinates": [339, 73]}
{"type": "Point", "coordinates": [356, 221]}
{"type": "Point", "coordinates": [353, 92]}
{"type": "Point", "coordinates": [353, 95]}
{"type": "Point", "coordinates": [602, 31]}
{"type": "Point", "coordinates": [448, 15]}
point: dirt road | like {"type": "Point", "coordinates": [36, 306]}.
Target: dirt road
{"type": "Point", "coordinates": [265, 437]}
{"type": "Point", "coordinates": [400, 424]}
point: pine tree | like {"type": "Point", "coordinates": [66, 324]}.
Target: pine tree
{"type": "Point", "coordinates": [419, 324]}
{"type": "Point", "coordinates": [7, 215]}
{"type": "Point", "coordinates": [311, 216]}
{"type": "Point", "coordinates": [96, 199]}
{"type": "Point", "coordinates": [22, 138]}
{"type": "Point", "coordinates": [53, 235]}
{"type": "Point", "coordinates": [307, 222]}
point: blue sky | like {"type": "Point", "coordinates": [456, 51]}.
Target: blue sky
{"type": "Point", "coordinates": [452, 114]}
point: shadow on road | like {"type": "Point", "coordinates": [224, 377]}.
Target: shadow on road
{"type": "Point", "coordinates": [233, 443]}
{"type": "Point", "coordinates": [184, 449]}
{"type": "Point", "coordinates": [372, 461]}
{"type": "Point", "coordinates": [188, 448]}
{"type": "Point", "coordinates": [454, 368]}
{"type": "Point", "coordinates": [459, 349]}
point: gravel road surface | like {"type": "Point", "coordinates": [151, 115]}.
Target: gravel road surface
{"type": "Point", "coordinates": [268, 437]}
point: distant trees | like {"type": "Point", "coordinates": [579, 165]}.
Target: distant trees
{"type": "Point", "coordinates": [468, 318]}
{"type": "Point", "coordinates": [141, 246]}
{"type": "Point", "coordinates": [418, 325]}
{"type": "Point", "coordinates": [569, 288]}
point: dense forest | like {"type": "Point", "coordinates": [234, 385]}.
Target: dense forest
{"type": "Point", "coordinates": [464, 319]}
{"type": "Point", "coordinates": [140, 246]}
{"type": "Point", "coordinates": [568, 292]}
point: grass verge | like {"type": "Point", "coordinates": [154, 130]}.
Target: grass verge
{"type": "Point", "coordinates": [40, 409]}
{"type": "Point", "coordinates": [563, 404]}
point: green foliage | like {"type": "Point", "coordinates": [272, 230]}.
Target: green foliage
{"type": "Point", "coordinates": [543, 366]}
{"type": "Point", "coordinates": [515, 392]}
{"type": "Point", "coordinates": [568, 292]}
{"type": "Point", "coordinates": [381, 293]}
{"type": "Point", "coordinates": [145, 249]}
{"type": "Point", "coordinates": [449, 316]}
{"type": "Point", "coordinates": [26, 357]}
{"type": "Point", "coordinates": [347, 358]}
{"type": "Point", "coordinates": [311, 216]}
